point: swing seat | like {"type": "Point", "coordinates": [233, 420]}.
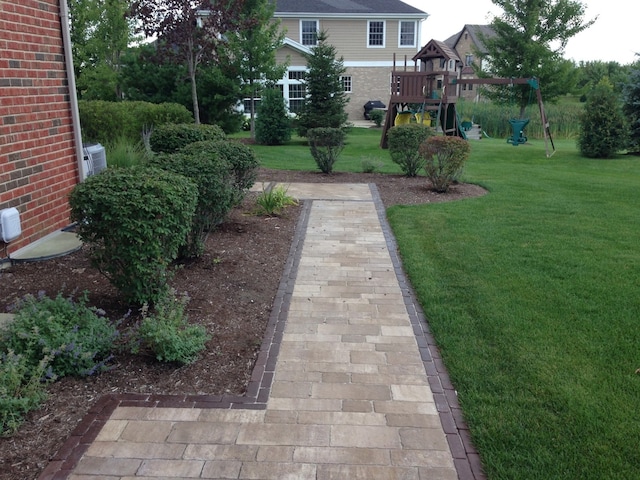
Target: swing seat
{"type": "Point", "coordinates": [517, 126]}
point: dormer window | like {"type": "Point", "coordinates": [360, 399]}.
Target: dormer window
{"type": "Point", "coordinates": [309, 32]}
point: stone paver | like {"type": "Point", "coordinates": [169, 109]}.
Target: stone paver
{"type": "Point", "coordinates": [349, 399]}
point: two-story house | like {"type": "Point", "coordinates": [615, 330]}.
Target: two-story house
{"type": "Point", "coordinates": [366, 34]}
{"type": "Point", "coordinates": [467, 43]}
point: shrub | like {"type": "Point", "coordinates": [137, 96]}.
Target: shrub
{"type": "Point", "coordinates": [603, 130]}
{"type": "Point", "coordinates": [273, 200]}
{"type": "Point", "coordinates": [326, 144]}
{"type": "Point", "coordinates": [404, 145]}
{"type": "Point", "coordinates": [377, 116]}
{"type": "Point", "coordinates": [371, 165]}
{"type": "Point", "coordinates": [214, 179]}
{"type": "Point", "coordinates": [168, 334]}
{"type": "Point", "coordinates": [242, 159]}
{"type": "Point", "coordinates": [171, 138]}
{"type": "Point", "coordinates": [272, 124]}
{"type": "Point", "coordinates": [134, 220]}
{"type": "Point", "coordinates": [78, 339]}
{"type": "Point", "coordinates": [444, 159]}
{"type": "Point", "coordinates": [105, 122]}
{"type": "Point", "coordinates": [21, 389]}
{"type": "Point", "coordinates": [123, 152]}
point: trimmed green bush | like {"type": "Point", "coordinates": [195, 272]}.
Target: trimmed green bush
{"type": "Point", "coordinates": [326, 144]}
{"type": "Point", "coordinates": [444, 159]}
{"type": "Point", "coordinates": [404, 145]}
{"type": "Point", "coordinates": [273, 126]}
{"type": "Point", "coordinates": [172, 137]}
{"type": "Point", "coordinates": [105, 122]}
{"type": "Point", "coordinates": [377, 117]}
{"type": "Point", "coordinates": [134, 220]}
{"type": "Point", "coordinates": [168, 334]}
{"type": "Point", "coordinates": [214, 179]}
{"type": "Point", "coordinates": [77, 339]}
{"type": "Point", "coordinates": [242, 159]}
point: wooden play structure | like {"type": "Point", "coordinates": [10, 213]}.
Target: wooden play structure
{"type": "Point", "coordinates": [432, 88]}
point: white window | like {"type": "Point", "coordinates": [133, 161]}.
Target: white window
{"type": "Point", "coordinates": [297, 95]}
{"type": "Point", "coordinates": [376, 34]}
{"type": "Point", "coordinates": [468, 59]}
{"type": "Point", "coordinates": [309, 32]}
{"type": "Point", "coordinates": [407, 32]}
{"type": "Point", "coordinates": [347, 83]}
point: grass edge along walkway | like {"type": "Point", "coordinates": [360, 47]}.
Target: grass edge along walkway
{"type": "Point", "coordinates": [532, 295]}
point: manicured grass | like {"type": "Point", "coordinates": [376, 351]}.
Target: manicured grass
{"type": "Point", "coordinates": [362, 145]}
{"type": "Point", "coordinates": [532, 294]}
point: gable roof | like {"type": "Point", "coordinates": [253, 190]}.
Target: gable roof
{"type": "Point", "coordinates": [358, 8]}
{"type": "Point", "coordinates": [436, 49]}
{"type": "Point", "coordinates": [476, 31]}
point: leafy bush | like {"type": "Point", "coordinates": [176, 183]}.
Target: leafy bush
{"type": "Point", "coordinates": [631, 107]}
{"type": "Point", "coordinates": [444, 159]}
{"type": "Point", "coordinates": [272, 124]}
{"type": "Point", "coordinates": [105, 122]}
{"type": "Point", "coordinates": [273, 200]}
{"type": "Point", "coordinates": [214, 179]}
{"type": "Point", "coordinates": [168, 334]}
{"type": "Point", "coordinates": [78, 339]}
{"type": "Point", "coordinates": [242, 159]}
{"type": "Point", "coordinates": [377, 116]}
{"type": "Point", "coordinates": [326, 144]}
{"type": "Point", "coordinates": [21, 389]}
{"type": "Point", "coordinates": [134, 220]}
{"type": "Point", "coordinates": [172, 137]}
{"type": "Point", "coordinates": [404, 145]}
{"type": "Point", "coordinates": [603, 130]}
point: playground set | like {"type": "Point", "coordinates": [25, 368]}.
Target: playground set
{"type": "Point", "coordinates": [434, 85]}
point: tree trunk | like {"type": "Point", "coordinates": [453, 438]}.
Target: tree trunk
{"type": "Point", "coordinates": [253, 110]}
{"type": "Point", "coordinates": [194, 88]}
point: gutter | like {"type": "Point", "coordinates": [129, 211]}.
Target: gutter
{"type": "Point", "coordinates": [71, 82]}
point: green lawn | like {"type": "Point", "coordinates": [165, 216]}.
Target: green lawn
{"type": "Point", "coordinates": [532, 293]}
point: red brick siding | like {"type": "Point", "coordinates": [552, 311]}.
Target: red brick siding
{"type": "Point", "coordinates": [38, 165]}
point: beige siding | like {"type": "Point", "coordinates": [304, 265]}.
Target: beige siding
{"type": "Point", "coordinates": [293, 57]}
{"type": "Point", "coordinates": [349, 36]}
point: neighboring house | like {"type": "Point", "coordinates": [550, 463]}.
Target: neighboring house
{"type": "Point", "coordinates": [367, 34]}
{"type": "Point", "coordinates": [40, 152]}
{"type": "Point", "coordinates": [468, 45]}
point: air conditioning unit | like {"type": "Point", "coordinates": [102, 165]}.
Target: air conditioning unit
{"type": "Point", "coordinates": [10, 228]}
{"type": "Point", "coordinates": [95, 158]}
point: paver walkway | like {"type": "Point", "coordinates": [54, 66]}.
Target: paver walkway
{"type": "Point", "coordinates": [347, 385]}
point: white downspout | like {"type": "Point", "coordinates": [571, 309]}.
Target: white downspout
{"type": "Point", "coordinates": [71, 82]}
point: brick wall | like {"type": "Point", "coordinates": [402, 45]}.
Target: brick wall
{"type": "Point", "coordinates": [38, 166]}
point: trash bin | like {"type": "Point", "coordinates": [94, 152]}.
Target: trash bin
{"type": "Point", "coordinates": [372, 104]}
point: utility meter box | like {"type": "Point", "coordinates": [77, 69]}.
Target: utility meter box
{"type": "Point", "coordinates": [9, 224]}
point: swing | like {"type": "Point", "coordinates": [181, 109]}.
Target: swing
{"type": "Point", "coordinates": [519, 124]}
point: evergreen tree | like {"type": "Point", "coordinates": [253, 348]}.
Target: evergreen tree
{"type": "Point", "coordinates": [273, 126]}
{"type": "Point", "coordinates": [631, 107]}
{"type": "Point", "coordinates": [326, 100]}
{"type": "Point", "coordinates": [603, 130]}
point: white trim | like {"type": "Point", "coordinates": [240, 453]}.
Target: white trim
{"type": "Point", "coordinates": [384, 33]}
{"type": "Point", "coordinates": [287, 42]}
{"type": "Point", "coordinates": [349, 16]}
{"type": "Point", "coordinates": [368, 64]}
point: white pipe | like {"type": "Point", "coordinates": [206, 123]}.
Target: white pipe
{"type": "Point", "coordinates": [71, 82]}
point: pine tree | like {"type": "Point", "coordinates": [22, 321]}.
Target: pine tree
{"type": "Point", "coordinates": [273, 126]}
{"type": "Point", "coordinates": [326, 100]}
{"type": "Point", "coordinates": [603, 130]}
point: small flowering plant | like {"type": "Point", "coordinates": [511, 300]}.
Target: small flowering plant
{"type": "Point", "coordinates": [77, 340]}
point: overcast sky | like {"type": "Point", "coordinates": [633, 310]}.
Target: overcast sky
{"type": "Point", "coordinates": [614, 36]}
